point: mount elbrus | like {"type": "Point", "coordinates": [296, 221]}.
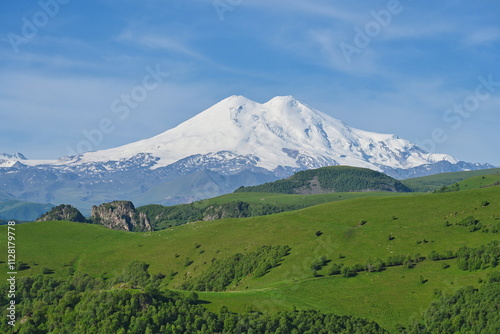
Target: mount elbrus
{"type": "Point", "coordinates": [237, 142]}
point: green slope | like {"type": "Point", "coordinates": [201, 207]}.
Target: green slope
{"type": "Point", "coordinates": [393, 296]}
{"type": "Point", "coordinates": [244, 204]}
{"type": "Point", "coordinates": [317, 186]}
{"type": "Point", "coordinates": [255, 201]}
{"type": "Point", "coordinates": [436, 181]}
{"type": "Point", "coordinates": [480, 181]}
{"type": "Point", "coordinates": [390, 298]}
{"type": "Point", "coordinates": [303, 189]}
{"type": "Point", "coordinates": [474, 182]}
{"type": "Point", "coordinates": [287, 199]}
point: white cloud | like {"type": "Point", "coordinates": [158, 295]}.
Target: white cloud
{"type": "Point", "coordinates": [159, 42]}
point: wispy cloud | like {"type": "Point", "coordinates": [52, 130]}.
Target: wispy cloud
{"type": "Point", "coordinates": [485, 36]}
{"type": "Point", "coordinates": [159, 42]}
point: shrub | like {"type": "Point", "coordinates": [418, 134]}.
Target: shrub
{"type": "Point", "coordinates": [187, 262]}
{"type": "Point", "coordinates": [348, 272]}
{"type": "Point", "coordinates": [22, 266]}
{"type": "Point", "coordinates": [335, 269]}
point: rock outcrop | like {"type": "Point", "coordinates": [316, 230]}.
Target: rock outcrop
{"type": "Point", "coordinates": [63, 212]}
{"type": "Point", "coordinates": [120, 215]}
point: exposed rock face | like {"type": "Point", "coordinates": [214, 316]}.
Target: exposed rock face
{"type": "Point", "coordinates": [236, 209]}
{"type": "Point", "coordinates": [120, 215]}
{"type": "Point", "coordinates": [63, 212]}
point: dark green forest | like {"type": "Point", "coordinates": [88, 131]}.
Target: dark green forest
{"type": "Point", "coordinates": [468, 310]}
{"type": "Point", "coordinates": [331, 179]}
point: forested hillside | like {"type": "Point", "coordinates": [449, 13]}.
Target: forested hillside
{"type": "Point", "coordinates": [331, 179]}
{"type": "Point", "coordinates": [82, 304]}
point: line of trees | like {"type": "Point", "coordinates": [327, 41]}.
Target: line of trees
{"type": "Point", "coordinates": [482, 257]}
{"type": "Point", "coordinates": [375, 265]}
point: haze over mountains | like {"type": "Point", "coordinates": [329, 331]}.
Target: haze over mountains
{"type": "Point", "coordinates": [233, 143]}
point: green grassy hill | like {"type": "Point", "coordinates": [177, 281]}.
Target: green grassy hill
{"type": "Point", "coordinates": [320, 185]}
{"type": "Point", "coordinates": [474, 182]}
{"type": "Point", "coordinates": [238, 205]}
{"type": "Point", "coordinates": [255, 201]}
{"type": "Point", "coordinates": [482, 181]}
{"type": "Point", "coordinates": [350, 232]}
{"type": "Point", "coordinates": [436, 181]}
{"type": "Point", "coordinates": [331, 179]}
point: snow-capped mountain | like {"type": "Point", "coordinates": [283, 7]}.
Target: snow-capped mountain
{"type": "Point", "coordinates": [282, 132]}
{"type": "Point", "coordinates": [8, 160]}
{"type": "Point", "coordinates": [235, 142]}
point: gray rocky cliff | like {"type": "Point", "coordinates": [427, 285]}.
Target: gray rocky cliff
{"type": "Point", "coordinates": [120, 215]}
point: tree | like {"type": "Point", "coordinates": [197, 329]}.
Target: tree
{"type": "Point", "coordinates": [192, 297]}
{"type": "Point", "coordinates": [348, 272]}
{"type": "Point", "coordinates": [335, 269]}
{"type": "Point", "coordinates": [21, 266]}
{"type": "Point", "coordinates": [135, 274]}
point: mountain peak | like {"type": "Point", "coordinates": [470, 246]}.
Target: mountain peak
{"type": "Point", "coordinates": [280, 133]}
{"type": "Point", "coordinates": [234, 100]}
{"type": "Point", "coordinates": [283, 98]}
{"type": "Point", "coordinates": [15, 156]}
{"type": "Point", "coordinates": [284, 102]}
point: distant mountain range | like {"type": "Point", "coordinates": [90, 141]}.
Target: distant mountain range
{"type": "Point", "coordinates": [237, 142]}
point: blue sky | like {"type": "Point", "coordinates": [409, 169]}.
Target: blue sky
{"type": "Point", "coordinates": [427, 71]}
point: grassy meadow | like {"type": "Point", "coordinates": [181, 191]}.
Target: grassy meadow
{"type": "Point", "coordinates": [352, 231]}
